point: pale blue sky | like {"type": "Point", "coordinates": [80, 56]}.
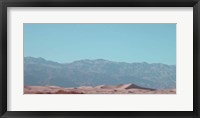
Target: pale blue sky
{"type": "Point", "coordinates": [151, 43]}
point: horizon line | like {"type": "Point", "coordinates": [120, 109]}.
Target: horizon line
{"type": "Point", "coordinates": [98, 59]}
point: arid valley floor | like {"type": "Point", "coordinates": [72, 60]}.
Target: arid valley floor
{"type": "Point", "coordinates": [101, 89]}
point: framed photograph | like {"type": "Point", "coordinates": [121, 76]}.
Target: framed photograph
{"type": "Point", "coordinates": [114, 58]}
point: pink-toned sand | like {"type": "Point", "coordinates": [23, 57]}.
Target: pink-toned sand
{"type": "Point", "coordinates": [101, 89]}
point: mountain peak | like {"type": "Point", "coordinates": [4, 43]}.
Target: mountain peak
{"type": "Point", "coordinates": [100, 60]}
{"type": "Point", "coordinates": [98, 72]}
{"type": "Point", "coordinates": [34, 60]}
{"type": "Point", "coordinates": [41, 61]}
{"type": "Point", "coordinates": [89, 61]}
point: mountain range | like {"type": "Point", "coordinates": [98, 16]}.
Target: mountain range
{"type": "Point", "coordinates": [41, 72]}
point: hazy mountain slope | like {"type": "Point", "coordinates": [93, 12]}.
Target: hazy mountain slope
{"type": "Point", "coordinates": [38, 71]}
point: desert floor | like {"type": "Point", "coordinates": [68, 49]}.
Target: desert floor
{"type": "Point", "coordinates": [101, 89]}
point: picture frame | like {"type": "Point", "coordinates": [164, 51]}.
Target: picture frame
{"type": "Point", "coordinates": [4, 4]}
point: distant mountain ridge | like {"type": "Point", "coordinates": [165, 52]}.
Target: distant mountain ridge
{"type": "Point", "coordinates": [40, 72]}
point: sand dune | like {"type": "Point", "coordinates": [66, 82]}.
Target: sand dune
{"type": "Point", "coordinates": [101, 89]}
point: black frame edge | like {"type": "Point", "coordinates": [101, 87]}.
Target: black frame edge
{"type": "Point", "coordinates": [196, 53]}
{"type": "Point", "coordinates": [52, 3]}
{"type": "Point", "coordinates": [1, 29]}
{"type": "Point", "coordinates": [3, 58]}
{"type": "Point", "coordinates": [100, 3]}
